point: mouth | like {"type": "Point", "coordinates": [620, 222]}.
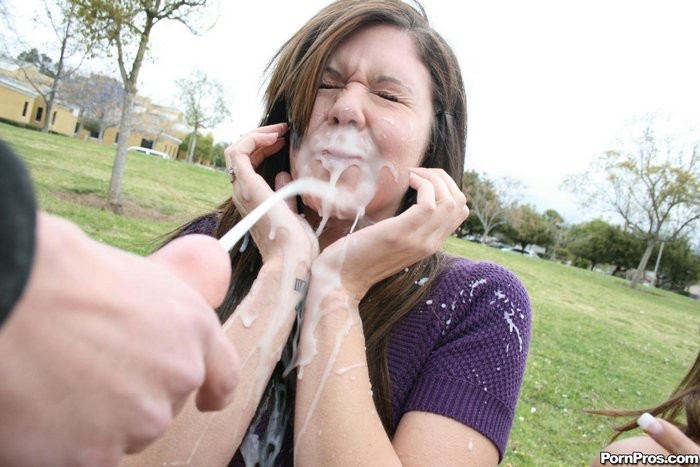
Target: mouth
{"type": "Point", "coordinates": [337, 154]}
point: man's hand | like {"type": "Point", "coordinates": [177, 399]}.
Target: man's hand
{"type": "Point", "coordinates": [104, 347]}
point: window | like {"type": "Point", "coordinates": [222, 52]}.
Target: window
{"type": "Point", "coordinates": [24, 110]}
{"type": "Point", "coordinates": [77, 127]}
{"type": "Point", "coordinates": [53, 118]}
{"type": "Point", "coordinates": [116, 138]}
{"type": "Point", "coordinates": [39, 114]}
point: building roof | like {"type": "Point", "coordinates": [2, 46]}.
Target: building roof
{"type": "Point", "coordinates": [17, 86]}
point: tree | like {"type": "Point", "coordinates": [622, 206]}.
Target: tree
{"type": "Point", "coordinates": [205, 105]}
{"type": "Point", "coordinates": [40, 61]}
{"type": "Point", "coordinates": [602, 243]}
{"type": "Point", "coordinates": [557, 228]}
{"type": "Point", "coordinates": [528, 227]}
{"type": "Point", "coordinates": [654, 189]}
{"type": "Point", "coordinates": [62, 18]}
{"type": "Point", "coordinates": [470, 226]}
{"type": "Point", "coordinates": [206, 152]}
{"type": "Point", "coordinates": [490, 201]}
{"type": "Point", "coordinates": [125, 26]}
{"type": "Point", "coordinates": [679, 265]}
{"type": "Point", "coordinates": [98, 98]}
{"type": "Point", "coordinates": [218, 158]}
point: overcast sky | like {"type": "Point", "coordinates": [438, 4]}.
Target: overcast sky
{"type": "Point", "coordinates": [550, 83]}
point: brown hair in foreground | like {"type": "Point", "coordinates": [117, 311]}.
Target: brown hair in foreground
{"type": "Point", "coordinates": [684, 400]}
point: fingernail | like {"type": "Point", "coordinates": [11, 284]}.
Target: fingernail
{"type": "Point", "coordinates": [649, 424]}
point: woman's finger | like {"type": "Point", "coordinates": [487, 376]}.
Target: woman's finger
{"type": "Point", "coordinates": [241, 159]}
{"type": "Point", "coordinates": [275, 128]}
{"type": "Point", "coordinates": [445, 187]}
{"type": "Point", "coordinates": [447, 200]}
{"type": "Point", "coordinates": [261, 154]}
{"type": "Point", "coordinates": [280, 128]}
{"type": "Point", "coordinates": [240, 152]}
{"type": "Point", "coordinates": [667, 435]}
{"type": "Point", "coordinates": [257, 140]}
{"type": "Point", "coordinates": [424, 188]}
{"type": "Point", "coordinates": [442, 192]}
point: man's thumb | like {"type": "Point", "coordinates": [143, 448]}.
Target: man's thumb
{"type": "Point", "coordinates": [201, 262]}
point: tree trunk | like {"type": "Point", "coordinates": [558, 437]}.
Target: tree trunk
{"type": "Point", "coordinates": [49, 110]}
{"type": "Point", "coordinates": [50, 98]}
{"type": "Point", "coordinates": [80, 124]}
{"type": "Point", "coordinates": [191, 146]}
{"type": "Point", "coordinates": [48, 122]}
{"type": "Point", "coordinates": [115, 184]}
{"type": "Point", "coordinates": [641, 269]}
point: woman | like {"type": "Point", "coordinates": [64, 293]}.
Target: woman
{"type": "Point", "coordinates": [405, 355]}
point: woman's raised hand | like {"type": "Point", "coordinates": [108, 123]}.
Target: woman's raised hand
{"type": "Point", "coordinates": [380, 250]}
{"type": "Point", "coordinates": [668, 435]}
{"type": "Point", "coordinates": [282, 229]}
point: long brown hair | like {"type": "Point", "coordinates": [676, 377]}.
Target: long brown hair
{"type": "Point", "coordinates": [294, 77]}
{"type": "Point", "coordinates": [684, 400]}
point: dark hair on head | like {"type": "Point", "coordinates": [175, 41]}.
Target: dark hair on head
{"type": "Point", "coordinates": [294, 77]}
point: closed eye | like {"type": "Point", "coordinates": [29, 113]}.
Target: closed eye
{"type": "Point", "coordinates": [383, 94]}
{"type": "Point", "coordinates": [329, 86]}
{"type": "Point", "coordinates": [387, 96]}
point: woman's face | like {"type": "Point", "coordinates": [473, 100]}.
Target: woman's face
{"type": "Point", "coordinates": [370, 122]}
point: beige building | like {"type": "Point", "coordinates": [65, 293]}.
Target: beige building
{"type": "Point", "coordinates": [21, 103]}
{"type": "Point", "coordinates": [154, 126]}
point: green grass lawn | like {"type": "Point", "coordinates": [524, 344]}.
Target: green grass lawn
{"type": "Point", "coordinates": [72, 178]}
{"type": "Point", "coordinates": [596, 343]}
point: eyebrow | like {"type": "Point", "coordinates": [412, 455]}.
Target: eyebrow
{"type": "Point", "coordinates": [380, 79]}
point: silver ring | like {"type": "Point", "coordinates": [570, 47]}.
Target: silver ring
{"type": "Point", "coordinates": [231, 174]}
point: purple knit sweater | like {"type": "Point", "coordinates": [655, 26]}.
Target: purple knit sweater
{"type": "Point", "coordinates": [460, 353]}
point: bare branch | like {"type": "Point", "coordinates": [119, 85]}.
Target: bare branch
{"type": "Point", "coordinates": [653, 189]}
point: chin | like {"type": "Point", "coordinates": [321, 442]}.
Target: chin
{"type": "Point", "coordinates": [335, 210]}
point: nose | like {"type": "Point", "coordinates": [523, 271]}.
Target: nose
{"type": "Point", "coordinates": [349, 106]}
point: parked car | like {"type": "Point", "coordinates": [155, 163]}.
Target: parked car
{"type": "Point", "coordinates": [520, 250]}
{"type": "Point", "coordinates": [150, 152]}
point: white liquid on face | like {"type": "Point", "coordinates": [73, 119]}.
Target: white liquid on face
{"type": "Point", "coordinates": [352, 164]}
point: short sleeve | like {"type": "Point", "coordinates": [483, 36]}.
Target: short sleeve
{"type": "Point", "coordinates": [475, 369]}
{"type": "Point", "coordinates": [204, 225]}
